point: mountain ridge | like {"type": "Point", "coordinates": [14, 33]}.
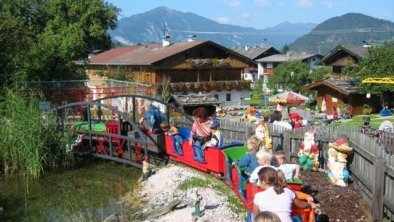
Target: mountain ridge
{"type": "Point", "coordinates": [351, 29]}
{"type": "Point", "coordinates": [148, 27]}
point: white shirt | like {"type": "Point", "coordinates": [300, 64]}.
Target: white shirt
{"type": "Point", "coordinates": [288, 170]}
{"type": "Point", "coordinates": [280, 204]}
{"type": "Point", "coordinates": [254, 177]}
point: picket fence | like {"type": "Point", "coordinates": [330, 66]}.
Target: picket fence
{"type": "Point", "coordinates": [371, 166]}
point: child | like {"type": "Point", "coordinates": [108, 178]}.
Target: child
{"type": "Point", "coordinates": [249, 160]}
{"type": "Point", "coordinates": [217, 139]}
{"type": "Point", "coordinates": [291, 171]}
{"type": "Point", "coordinates": [280, 199]}
{"type": "Point", "coordinates": [264, 159]}
{"type": "Point", "coordinates": [266, 216]}
{"type": "Point", "coordinates": [200, 133]}
{"type": "Point", "coordinates": [173, 132]}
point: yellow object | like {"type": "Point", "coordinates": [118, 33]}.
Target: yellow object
{"type": "Point", "coordinates": [268, 141]}
{"type": "Point", "coordinates": [384, 80]}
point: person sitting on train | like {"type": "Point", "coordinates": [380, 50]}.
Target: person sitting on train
{"type": "Point", "coordinates": [200, 133]}
{"type": "Point", "coordinates": [280, 199]}
{"type": "Point", "coordinates": [173, 132]}
{"type": "Point", "coordinates": [266, 216]}
{"type": "Point", "coordinates": [291, 171]}
{"type": "Point", "coordinates": [249, 160]}
{"type": "Point", "coordinates": [217, 139]}
{"type": "Point", "coordinates": [264, 160]}
{"type": "Point", "coordinates": [154, 117]}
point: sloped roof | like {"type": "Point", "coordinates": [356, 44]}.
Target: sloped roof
{"type": "Point", "coordinates": [196, 99]}
{"type": "Point", "coordinates": [357, 52]}
{"type": "Point", "coordinates": [253, 53]}
{"type": "Point", "coordinates": [344, 86]}
{"type": "Point", "coordinates": [150, 54]}
{"type": "Point", "coordinates": [285, 57]}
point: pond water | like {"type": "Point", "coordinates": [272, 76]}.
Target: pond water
{"type": "Point", "coordinates": [89, 193]}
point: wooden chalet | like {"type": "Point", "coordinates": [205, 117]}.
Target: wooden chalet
{"type": "Point", "coordinates": [339, 90]}
{"type": "Point", "coordinates": [341, 56]}
{"type": "Point", "coordinates": [190, 66]}
{"type": "Point", "coordinates": [342, 93]}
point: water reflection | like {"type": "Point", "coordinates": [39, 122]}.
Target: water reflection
{"type": "Point", "coordinates": [89, 193]}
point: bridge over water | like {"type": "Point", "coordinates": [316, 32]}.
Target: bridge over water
{"type": "Point", "coordinates": [115, 132]}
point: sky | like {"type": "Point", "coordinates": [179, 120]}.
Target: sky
{"type": "Point", "coordinates": [263, 13]}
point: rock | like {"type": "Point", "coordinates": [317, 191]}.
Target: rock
{"type": "Point", "coordinates": [112, 218]}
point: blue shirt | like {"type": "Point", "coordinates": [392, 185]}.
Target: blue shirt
{"type": "Point", "coordinates": [249, 161]}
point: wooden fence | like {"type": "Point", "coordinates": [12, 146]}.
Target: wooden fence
{"type": "Point", "coordinates": [372, 168]}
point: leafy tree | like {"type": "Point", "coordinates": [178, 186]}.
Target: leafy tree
{"type": "Point", "coordinates": [379, 63]}
{"type": "Point", "coordinates": [43, 38]}
{"type": "Point", "coordinates": [285, 48]}
{"type": "Point", "coordinates": [291, 75]}
{"type": "Point", "coordinates": [320, 73]}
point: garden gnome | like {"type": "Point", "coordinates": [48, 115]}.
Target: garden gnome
{"type": "Point", "coordinates": [262, 133]}
{"type": "Point", "coordinates": [337, 154]}
{"type": "Point", "coordinates": [309, 152]}
{"type": "Point", "coordinates": [250, 115]}
{"type": "Point", "coordinates": [197, 211]}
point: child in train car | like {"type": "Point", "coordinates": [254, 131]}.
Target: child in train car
{"type": "Point", "coordinates": [264, 160]}
{"type": "Point", "coordinates": [200, 133]}
{"type": "Point", "coordinates": [275, 197]}
{"type": "Point", "coordinates": [291, 171]}
{"type": "Point", "coordinates": [217, 139]}
{"type": "Point", "coordinates": [173, 132]}
{"type": "Point", "coordinates": [249, 160]}
{"type": "Point", "coordinates": [266, 216]}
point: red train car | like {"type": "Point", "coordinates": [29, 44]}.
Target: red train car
{"type": "Point", "coordinates": [214, 157]}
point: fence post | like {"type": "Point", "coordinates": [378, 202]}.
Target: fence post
{"type": "Point", "coordinates": [378, 187]}
{"type": "Point", "coordinates": [286, 144]}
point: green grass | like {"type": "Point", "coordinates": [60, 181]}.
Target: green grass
{"type": "Point", "coordinates": [28, 136]}
{"type": "Point", "coordinates": [376, 120]}
{"type": "Point", "coordinates": [210, 182]}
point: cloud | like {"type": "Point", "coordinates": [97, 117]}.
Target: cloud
{"type": "Point", "coordinates": [234, 4]}
{"type": "Point", "coordinates": [262, 2]}
{"type": "Point", "coordinates": [223, 20]}
{"type": "Point", "coordinates": [304, 3]}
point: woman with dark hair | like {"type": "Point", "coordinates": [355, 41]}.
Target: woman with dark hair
{"type": "Point", "coordinates": [275, 197]}
{"type": "Point", "coordinates": [200, 133]}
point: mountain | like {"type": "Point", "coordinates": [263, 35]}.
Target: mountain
{"type": "Point", "coordinates": [350, 29]}
{"type": "Point", "coordinates": [148, 27]}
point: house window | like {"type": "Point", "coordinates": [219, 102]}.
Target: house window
{"type": "Point", "coordinates": [228, 97]}
{"type": "Point", "coordinates": [216, 96]}
{"type": "Point", "coordinates": [270, 65]}
{"type": "Point", "coordinates": [313, 59]}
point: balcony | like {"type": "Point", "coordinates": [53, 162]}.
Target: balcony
{"type": "Point", "coordinates": [209, 86]}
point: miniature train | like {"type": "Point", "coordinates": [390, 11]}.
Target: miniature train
{"type": "Point", "coordinates": [219, 161]}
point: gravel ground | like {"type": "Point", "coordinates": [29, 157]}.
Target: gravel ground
{"type": "Point", "coordinates": [162, 187]}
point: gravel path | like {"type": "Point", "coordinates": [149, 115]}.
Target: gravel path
{"type": "Point", "coordinates": [162, 187]}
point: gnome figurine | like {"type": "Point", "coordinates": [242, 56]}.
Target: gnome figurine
{"type": "Point", "coordinates": [309, 152]}
{"type": "Point", "coordinates": [337, 160]}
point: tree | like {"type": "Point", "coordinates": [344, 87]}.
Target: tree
{"type": "Point", "coordinates": [285, 48]}
{"type": "Point", "coordinates": [291, 75]}
{"type": "Point", "coordinates": [379, 63]}
{"type": "Point", "coordinates": [320, 73]}
{"type": "Point", "coordinates": [44, 38]}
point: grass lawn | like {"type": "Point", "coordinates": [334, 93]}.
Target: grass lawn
{"type": "Point", "coordinates": [376, 120]}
